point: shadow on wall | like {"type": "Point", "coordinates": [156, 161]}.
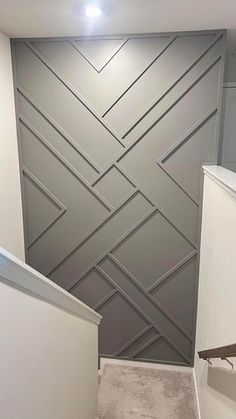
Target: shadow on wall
{"type": "Point", "coordinates": [223, 381]}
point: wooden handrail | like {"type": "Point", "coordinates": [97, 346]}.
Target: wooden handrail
{"type": "Point", "coordinates": [222, 352]}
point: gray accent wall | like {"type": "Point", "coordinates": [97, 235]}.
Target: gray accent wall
{"type": "Point", "coordinates": [113, 132]}
{"type": "Point", "coordinates": [228, 130]}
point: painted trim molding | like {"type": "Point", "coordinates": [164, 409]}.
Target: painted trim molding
{"type": "Point", "coordinates": [228, 84]}
{"type": "Point", "coordinates": [197, 395]}
{"type": "Point", "coordinates": [140, 364]}
{"type": "Point", "coordinates": [223, 177]}
{"type": "Point", "coordinates": [18, 274]}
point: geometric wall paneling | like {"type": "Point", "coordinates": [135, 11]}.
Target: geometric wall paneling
{"type": "Point", "coordinates": [191, 152]}
{"type": "Point", "coordinates": [103, 89]}
{"type": "Point", "coordinates": [160, 349]}
{"type": "Point", "coordinates": [113, 132]}
{"type": "Point", "coordinates": [165, 125]}
{"type": "Point", "coordinates": [105, 186]}
{"type": "Point", "coordinates": [113, 325]}
{"type": "Point", "coordinates": [93, 289]}
{"type": "Point", "coordinates": [150, 49]}
{"type": "Point", "coordinates": [61, 98]}
{"type": "Point", "coordinates": [50, 171]}
{"type": "Point", "coordinates": [145, 338]}
{"type": "Point", "coordinates": [61, 142]}
{"type": "Point", "coordinates": [147, 306]}
{"type": "Point", "coordinates": [143, 168]}
{"type": "Point", "coordinates": [34, 142]}
{"type": "Point", "coordinates": [162, 75]}
{"type": "Point", "coordinates": [141, 254]}
{"type": "Point", "coordinates": [37, 196]}
{"type": "Point", "coordinates": [85, 256]}
{"type": "Point", "coordinates": [176, 92]}
{"type": "Point", "coordinates": [176, 293]}
{"type": "Point", "coordinates": [99, 53]}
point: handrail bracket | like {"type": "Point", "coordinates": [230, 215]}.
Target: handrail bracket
{"type": "Point", "coordinates": [229, 362]}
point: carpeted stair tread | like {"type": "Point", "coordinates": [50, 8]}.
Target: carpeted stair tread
{"type": "Point", "coordinates": [127, 392]}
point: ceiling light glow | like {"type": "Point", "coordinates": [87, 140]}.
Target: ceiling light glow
{"type": "Point", "coordinates": [93, 11]}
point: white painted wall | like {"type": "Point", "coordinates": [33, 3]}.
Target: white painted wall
{"type": "Point", "coordinates": [217, 294]}
{"type": "Point", "coordinates": [48, 356]}
{"type": "Point", "coordinates": [11, 224]}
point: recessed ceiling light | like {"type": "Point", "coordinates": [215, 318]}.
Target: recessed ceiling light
{"type": "Point", "coordinates": [92, 10]}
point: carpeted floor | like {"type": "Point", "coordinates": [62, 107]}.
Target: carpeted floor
{"type": "Point", "coordinates": [145, 393]}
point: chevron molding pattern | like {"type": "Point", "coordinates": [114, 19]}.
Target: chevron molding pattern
{"type": "Point", "coordinates": [113, 132]}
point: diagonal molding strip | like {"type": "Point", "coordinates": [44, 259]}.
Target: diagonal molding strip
{"type": "Point", "coordinates": [161, 161]}
{"type": "Point", "coordinates": [65, 163]}
{"type": "Point", "coordinates": [140, 222]}
{"type": "Point", "coordinates": [172, 271]}
{"type": "Point", "coordinates": [144, 346]}
{"type": "Point", "coordinates": [62, 209]}
{"type": "Point", "coordinates": [162, 167]}
{"type": "Point", "coordinates": [89, 59]}
{"type": "Point", "coordinates": [105, 299]}
{"type": "Point", "coordinates": [187, 136]}
{"type": "Point", "coordinates": [143, 313]}
{"type": "Point", "coordinates": [58, 128]}
{"type": "Point", "coordinates": [93, 231]}
{"type": "Point", "coordinates": [75, 93]}
{"type": "Point", "coordinates": [158, 207]}
{"type": "Point", "coordinates": [49, 195]}
{"type": "Point", "coordinates": [149, 296]}
{"type": "Point", "coordinates": [172, 85]}
{"type": "Point", "coordinates": [132, 340]}
{"type": "Point", "coordinates": [111, 106]}
{"type": "Point", "coordinates": [140, 136]}
{"type": "Point", "coordinates": [156, 120]}
{"type": "Point", "coordinates": [94, 183]}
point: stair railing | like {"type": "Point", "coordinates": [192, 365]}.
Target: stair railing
{"type": "Point", "coordinates": [223, 352]}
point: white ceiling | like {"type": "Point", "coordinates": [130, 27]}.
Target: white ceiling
{"type": "Point", "coordinates": [36, 18]}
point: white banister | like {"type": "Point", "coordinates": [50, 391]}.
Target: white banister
{"type": "Point", "coordinates": [20, 275]}
{"type": "Point", "coordinates": [216, 295]}
{"type": "Point", "coordinates": [223, 177]}
{"type": "Point", "coordinates": [48, 347]}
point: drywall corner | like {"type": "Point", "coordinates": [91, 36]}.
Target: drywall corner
{"type": "Point", "coordinates": [11, 218]}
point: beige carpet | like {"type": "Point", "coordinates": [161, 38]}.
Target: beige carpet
{"type": "Point", "coordinates": [145, 393]}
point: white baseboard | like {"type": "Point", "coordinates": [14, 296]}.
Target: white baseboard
{"type": "Point", "coordinates": [127, 363]}
{"type": "Point", "coordinates": [229, 84]}
{"type": "Point", "coordinates": [196, 391]}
